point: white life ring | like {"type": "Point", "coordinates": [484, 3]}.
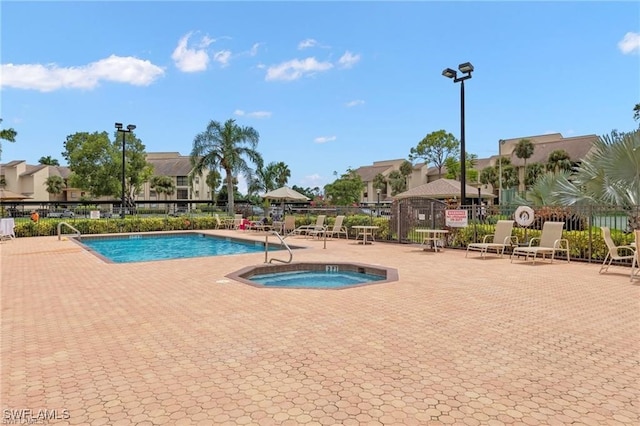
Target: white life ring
{"type": "Point", "coordinates": [524, 215]}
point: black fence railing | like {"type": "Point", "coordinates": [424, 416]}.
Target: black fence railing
{"type": "Point", "coordinates": [398, 222]}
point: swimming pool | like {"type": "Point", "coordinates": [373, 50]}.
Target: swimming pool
{"type": "Point", "coordinates": [144, 248]}
{"type": "Point", "coordinates": [315, 275]}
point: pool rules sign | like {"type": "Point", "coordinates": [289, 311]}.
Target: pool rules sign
{"type": "Point", "coordinates": [456, 218]}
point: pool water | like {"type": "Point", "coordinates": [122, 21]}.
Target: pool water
{"type": "Point", "coordinates": [315, 279]}
{"type": "Point", "coordinates": [143, 248]}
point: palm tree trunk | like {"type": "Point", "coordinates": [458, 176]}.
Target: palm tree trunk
{"type": "Point", "coordinates": [230, 194]}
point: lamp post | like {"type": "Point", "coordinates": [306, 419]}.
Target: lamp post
{"type": "Point", "coordinates": [500, 143]}
{"type": "Point", "coordinates": [378, 192]}
{"type": "Point", "coordinates": [129, 129]}
{"type": "Point", "coordinates": [467, 69]}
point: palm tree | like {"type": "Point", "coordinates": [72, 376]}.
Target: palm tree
{"type": "Point", "coordinates": [213, 182]}
{"type": "Point", "coordinates": [162, 185]}
{"type": "Point", "coordinates": [7, 135]}
{"type": "Point", "coordinates": [609, 175]}
{"type": "Point", "coordinates": [380, 182]}
{"type": "Point", "coordinates": [524, 150]}
{"type": "Point", "coordinates": [559, 160]}
{"type": "Point", "coordinates": [226, 146]}
{"type": "Point", "coordinates": [406, 168]}
{"type": "Point", "coordinates": [54, 184]}
{"type": "Point", "coordinates": [49, 161]}
{"type": "Point", "coordinates": [280, 172]}
{"type": "Point", "coordinates": [534, 171]}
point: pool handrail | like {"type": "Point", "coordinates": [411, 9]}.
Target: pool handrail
{"type": "Point", "coordinates": [72, 228]}
{"type": "Point", "coordinates": [282, 242]}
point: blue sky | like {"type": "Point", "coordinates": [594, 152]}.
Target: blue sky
{"type": "Point", "coordinates": [328, 85]}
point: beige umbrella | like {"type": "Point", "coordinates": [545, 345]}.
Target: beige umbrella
{"type": "Point", "coordinates": [284, 194]}
{"type": "Point", "coordinates": [6, 195]}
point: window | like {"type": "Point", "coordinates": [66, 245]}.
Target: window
{"type": "Point", "coordinates": [182, 181]}
{"type": "Point", "coordinates": [182, 194]}
{"type": "Point", "coordinates": [197, 180]}
{"type": "Point", "coordinates": [152, 194]}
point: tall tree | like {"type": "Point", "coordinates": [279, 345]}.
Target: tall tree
{"type": "Point", "coordinates": [96, 164]}
{"type": "Point", "coordinates": [8, 135]}
{"type": "Point", "coordinates": [636, 112]}
{"type": "Point", "coordinates": [559, 160]}
{"type": "Point", "coordinates": [397, 182]}
{"type": "Point", "coordinates": [406, 168]}
{"type": "Point", "coordinates": [54, 184]}
{"type": "Point", "coordinates": [524, 150]}
{"type": "Point", "coordinates": [162, 185]}
{"type": "Point", "coordinates": [380, 182]}
{"type": "Point", "coordinates": [49, 161]}
{"type": "Point", "coordinates": [345, 190]}
{"type": "Point", "coordinates": [226, 146]}
{"type": "Point", "coordinates": [534, 171]}
{"type": "Point", "coordinates": [281, 173]}
{"type": "Point", "coordinates": [435, 148]}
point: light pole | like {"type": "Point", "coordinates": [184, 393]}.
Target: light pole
{"type": "Point", "coordinates": [467, 69]}
{"type": "Point", "coordinates": [378, 192]}
{"type": "Point", "coordinates": [500, 143]}
{"type": "Point", "coordinates": [129, 129]}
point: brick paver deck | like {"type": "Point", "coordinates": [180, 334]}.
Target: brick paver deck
{"type": "Point", "coordinates": [455, 341]}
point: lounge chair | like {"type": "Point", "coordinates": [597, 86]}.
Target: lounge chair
{"type": "Point", "coordinates": [338, 228]}
{"type": "Point", "coordinates": [614, 252]}
{"type": "Point", "coordinates": [549, 242]}
{"type": "Point", "coordinates": [635, 268]}
{"type": "Point", "coordinates": [500, 240]}
{"type": "Point", "coordinates": [307, 229]}
{"type": "Point", "coordinates": [289, 225]}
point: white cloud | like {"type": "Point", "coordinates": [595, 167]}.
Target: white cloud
{"type": "Point", "coordinates": [254, 49]}
{"type": "Point", "coordinates": [629, 43]}
{"type": "Point", "coordinates": [255, 114]}
{"type": "Point", "coordinates": [295, 68]}
{"type": "Point", "coordinates": [348, 60]}
{"type": "Point", "coordinates": [324, 139]}
{"type": "Point", "coordinates": [314, 180]}
{"type": "Point", "coordinates": [354, 103]}
{"type": "Point", "coordinates": [50, 77]}
{"type": "Point", "coordinates": [307, 43]}
{"type": "Point", "coordinates": [222, 57]}
{"type": "Point", "coordinates": [191, 60]}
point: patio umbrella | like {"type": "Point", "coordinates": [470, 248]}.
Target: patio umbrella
{"type": "Point", "coordinates": [6, 195]}
{"type": "Point", "coordinates": [284, 194]}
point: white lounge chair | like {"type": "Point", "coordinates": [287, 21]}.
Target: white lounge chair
{"type": "Point", "coordinates": [498, 241]}
{"type": "Point", "coordinates": [307, 229]}
{"type": "Point", "coordinates": [617, 253]}
{"type": "Point", "coordinates": [549, 242]}
{"type": "Point", "coordinates": [635, 269]}
{"type": "Point", "coordinates": [338, 228]}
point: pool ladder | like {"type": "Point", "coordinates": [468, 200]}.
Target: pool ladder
{"type": "Point", "coordinates": [282, 242]}
{"type": "Point", "coordinates": [72, 228]}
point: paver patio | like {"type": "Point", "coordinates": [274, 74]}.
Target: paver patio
{"type": "Point", "coordinates": [454, 341]}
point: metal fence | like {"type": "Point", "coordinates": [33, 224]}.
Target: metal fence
{"type": "Point", "coordinates": [397, 222]}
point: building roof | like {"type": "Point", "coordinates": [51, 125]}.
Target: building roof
{"type": "Point", "coordinates": [577, 147]}
{"type": "Point", "coordinates": [180, 166]}
{"type": "Point", "coordinates": [443, 188]}
{"type": "Point", "coordinates": [367, 173]}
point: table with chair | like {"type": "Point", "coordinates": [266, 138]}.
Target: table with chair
{"type": "Point", "coordinates": [432, 237]}
{"type": "Point", "coordinates": [365, 234]}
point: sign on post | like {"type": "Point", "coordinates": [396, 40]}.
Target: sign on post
{"type": "Point", "coordinates": [456, 218]}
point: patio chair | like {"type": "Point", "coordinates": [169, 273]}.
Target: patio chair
{"type": "Point", "coordinates": [549, 242]}
{"type": "Point", "coordinates": [338, 228]}
{"type": "Point", "coordinates": [618, 253]}
{"type": "Point", "coordinates": [635, 268]}
{"type": "Point", "coordinates": [289, 225]}
{"type": "Point", "coordinates": [498, 241]}
{"type": "Point", "coordinates": [307, 229]}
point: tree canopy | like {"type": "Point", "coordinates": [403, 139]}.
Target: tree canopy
{"type": "Point", "coordinates": [8, 135]}
{"type": "Point", "coordinates": [435, 148]}
{"type": "Point", "coordinates": [48, 160]}
{"type": "Point", "coordinates": [96, 164]}
{"type": "Point", "coordinates": [345, 190]}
